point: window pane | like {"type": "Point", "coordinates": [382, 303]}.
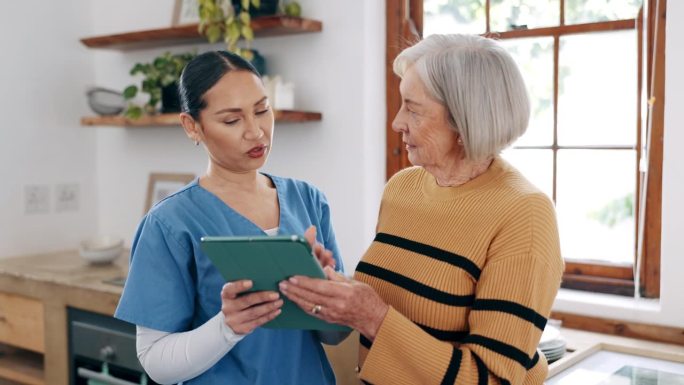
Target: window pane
{"type": "Point", "coordinates": [536, 165]}
{"type": "Point", "coordinates": [597, 91]}
{"type": "Point", "coordinates": [535, 59]}
{"type": "Point", "coordinates": [595, 204]}
{"type": "Point", "coordinates": [507, 15]}
{"type": "Point", "coordinates": [591, 11]}
{"type": "Point", "coordinates": [453, 16]}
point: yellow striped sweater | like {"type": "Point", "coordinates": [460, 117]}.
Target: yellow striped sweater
{"type": "Point", "coordinates": [470, 274]}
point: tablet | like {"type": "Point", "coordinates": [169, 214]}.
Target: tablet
{"type": "Point", "coordinates": [266, 261]}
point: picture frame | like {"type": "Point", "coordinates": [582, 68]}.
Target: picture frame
{"type": "Point", "coordinates": [609, 364]}
{"type": "Point", "coordinates": [161, 185]}
{"type": "Point", "coordinates": [185, 12]}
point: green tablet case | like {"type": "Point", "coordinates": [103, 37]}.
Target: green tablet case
{"type": "Point", "coordinates": [267, 260]}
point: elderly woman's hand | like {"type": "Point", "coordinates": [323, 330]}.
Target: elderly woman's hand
{"type": "Point", "coordinates": [324, 256]}
{"type": "Point", "coordinates": [246, 312]}
{"type": "Point", "coordinates": [338, 300]}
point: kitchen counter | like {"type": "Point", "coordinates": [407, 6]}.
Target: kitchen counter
{"type": "Point", "coordinates": [58, 281]}
{"type": "Point", "coordinates": [66, 270]}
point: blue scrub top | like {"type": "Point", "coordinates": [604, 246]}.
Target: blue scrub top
{"type": "Point", "coordinates": [172, 285]}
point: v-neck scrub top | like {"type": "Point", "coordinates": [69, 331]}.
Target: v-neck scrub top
{"type": "Point", "coordinates": [172, 285]}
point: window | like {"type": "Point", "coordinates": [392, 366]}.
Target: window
{"type": "Point", "coordinates": [583, 62]}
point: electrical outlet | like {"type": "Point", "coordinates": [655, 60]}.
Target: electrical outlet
{"type": "Point", "coordinates": [66, 197]}
{"type": "Point", "coordinates": [36, 199]}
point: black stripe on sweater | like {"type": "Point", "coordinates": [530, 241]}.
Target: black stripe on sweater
{"type": "Point", "coordinates": [482, 372]}
{"type": "Point", "coordinates": [415, 287]}
{"type": "Point", "coordinates": [534, 361]}
{"type": "Point", "coordinates": [442, 335]}
{"type": "Point", "coordinates": [445, 335]}
{"type": "Point", "coordinates": [513, 308]}
{"type": "Point", "coordinates": [430, 251]}
{"type": "Point", "coordinates": [499, 347]}
{"type": "Point", "coordinates": [452, 369]}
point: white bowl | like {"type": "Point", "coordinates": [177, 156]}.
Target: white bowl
{"type": "Point", "coordinates": [101, 250]}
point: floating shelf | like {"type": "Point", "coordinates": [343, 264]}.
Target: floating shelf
{"type": "Point", "coordinates": [23, 367]}
{"type": "Point", "coordinates": [171, 120]}
{"type": "Point", "coordinates": [263, 27]}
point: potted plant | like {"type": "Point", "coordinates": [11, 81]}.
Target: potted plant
{"type": "Point", "coordinates": [160, 82]}
{"type": "Point", "coordinates": [231, 20]}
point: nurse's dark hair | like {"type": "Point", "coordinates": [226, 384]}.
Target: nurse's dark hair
{"type": "Point", "coordinates": [202, 72]}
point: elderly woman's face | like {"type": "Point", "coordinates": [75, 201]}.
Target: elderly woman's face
{"type": "Point", "coordinates": [423, 123]}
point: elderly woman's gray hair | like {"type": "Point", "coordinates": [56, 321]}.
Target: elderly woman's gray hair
{"type": "Point", "coordinates": [479, 84]}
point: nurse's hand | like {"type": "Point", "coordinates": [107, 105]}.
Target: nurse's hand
{"type": "Point", "coordinates": [324, 256]}
{"type": "Point", "coordinates": [247, 312]}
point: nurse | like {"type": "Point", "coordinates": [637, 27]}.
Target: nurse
{"type": "Point", "coordinates": [192, 327]}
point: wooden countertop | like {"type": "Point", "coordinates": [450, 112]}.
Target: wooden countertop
{"type": "Point", "coordinates": [68, 270]}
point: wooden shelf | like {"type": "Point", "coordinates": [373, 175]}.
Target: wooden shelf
{"type": "Point", "coordinates": [171, 120]}
{"type": "Point", "coordinates": [22, 366]}
{"type": "Point", "coordinates": [263, 27]}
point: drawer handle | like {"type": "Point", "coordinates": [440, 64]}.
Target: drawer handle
{"type": "Point", "coordinates": [104, 377]}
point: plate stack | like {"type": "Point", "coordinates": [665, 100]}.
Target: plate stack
{"type": "Point", "coordinates": [552, 344]}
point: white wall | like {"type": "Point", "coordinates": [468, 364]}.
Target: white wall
{"type": "Point", "coordinates": [44, 72]}
{"type": "Point", "coordinates": [670, 309]}
{"type": "Point", "coordinates": [339, 72]}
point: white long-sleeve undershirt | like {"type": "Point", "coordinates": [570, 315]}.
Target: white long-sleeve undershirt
{"type": "Point", "coordinates": [169, 358]}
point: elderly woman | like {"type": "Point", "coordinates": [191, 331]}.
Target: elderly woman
{"type": "Point", "coordinates": [458, 284]}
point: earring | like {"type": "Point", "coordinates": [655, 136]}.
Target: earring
{"type": "Point", "coordinates": [459, 141]}
{"type": "Point", "coordinates": [197, 142]}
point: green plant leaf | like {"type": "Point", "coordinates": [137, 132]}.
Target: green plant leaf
{"type": "Point", "coordinates": [245, 5]}
{"type": "Point", "coordinates": [244, 18]}
{"type": "Point", "coordinates": [137, 68]}
{"type": "Point", "coordinates": [130, 92]}
{"type": "Point", "coordinates": [247, 54]}
{"type": "Point", "coordinates": [133, 112]}
{"type": "Point", "coordinates": [293, 9]}
{"type": "Point", "coordinates": [213, 33]}
{"type": "Point", "coordinates": [168, 79]}
{"type": "Point", "coordinates": [234, 32]}
{"type": "Point", "coordinates": [247, 32]}
{"type": "Point", "coordinates": [256, 4]}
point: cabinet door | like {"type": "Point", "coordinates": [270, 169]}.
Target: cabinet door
{"type": "Point", "coordinates": [21, 322]}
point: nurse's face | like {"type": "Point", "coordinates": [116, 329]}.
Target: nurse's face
{"type": "Point", "coordinates": [237, 122]}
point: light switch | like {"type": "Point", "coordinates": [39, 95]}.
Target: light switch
{"type": "Point", "coordinates": [66, 197]}
{"type": "Point", "coordinates": [37, 199]}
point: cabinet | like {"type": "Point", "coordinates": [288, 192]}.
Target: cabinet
{"type": "Point", "coordinates": [22, 339]}
{"type": "Point", "coordinates": [262, 26]}
{"type": "Point", "coordinates": [35, 293]}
